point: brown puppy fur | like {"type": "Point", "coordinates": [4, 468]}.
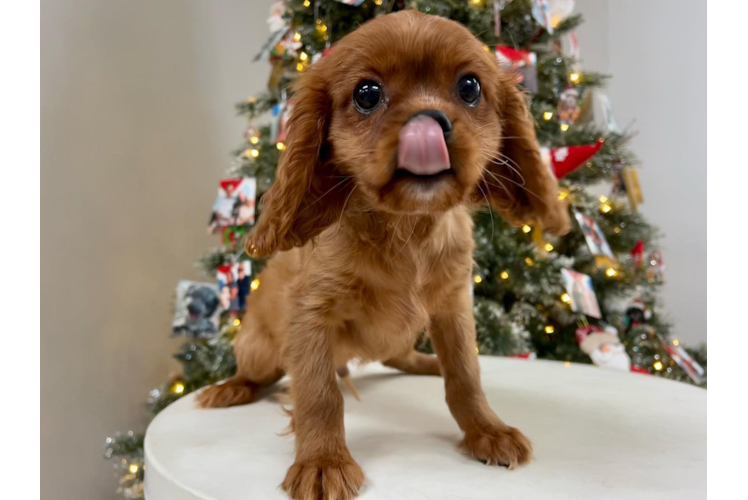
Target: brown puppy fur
{"type": "Point", "coordinates": [367, 259]}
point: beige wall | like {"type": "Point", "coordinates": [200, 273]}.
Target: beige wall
{"type": "Point", "coordinates": [137, 122]}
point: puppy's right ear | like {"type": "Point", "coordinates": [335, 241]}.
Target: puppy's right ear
{"type": "Point", "coordinates": [293, 210]}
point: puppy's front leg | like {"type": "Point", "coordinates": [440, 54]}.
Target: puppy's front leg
{"type": "Point", "coordinates": [487, 438]}
{"type": "Point", "coordinates": [324, 467]}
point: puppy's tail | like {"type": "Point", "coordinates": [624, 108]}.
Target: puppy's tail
{"type": "Point", "coordinates": [235, 391]}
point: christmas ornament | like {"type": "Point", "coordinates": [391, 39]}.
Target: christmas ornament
{"type": "Point", "coordinates": [603, 347]}
{"type": "Point", "coordinates": [542, 14]}
{"type": "Point", "coordinates": [637, 254]}
{"type": "Point", "coordinates": [354, 3]}
{"type": "Point", "coordinates": [630, 178]}
{"type": "Point", "coordinates": [498, 6]}
{"type": "Point", "coordinates": [235, 203]}
{"type": "Point", "coordinates": [565, 160]}
{"type": "Point", "coordinates": [637, 313]}
{"type": "Point", "coordinates": [559, 10]}
{"type": "Point", "coordinates": [275, 38]}
{"type": "Point", "coordinates": [684, 360]}
{"type": "Point", "coordinates": [595, 110]}
{"type": "Point", "coordinates": [196, 311]}
{"type": "Point", "coordinates": [275, 19]}
{"type": "Point", "coordinates": [568, 105]}
{"type": "Point", "coordinates": [233, 287]}
{"type": "Point", "coordinates": [655, 267]}
{"type": "Point", "coordinates": [527, 355]}
{"type": "Point", "coordinates": [522, 63]}
{"type": "Point", "coordinates": [581, 293]}
{"type": "Point", "coordinates": [593, 235]}
{"type": "Point", "coordinates": [639, 369]}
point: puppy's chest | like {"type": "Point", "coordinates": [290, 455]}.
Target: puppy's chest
{"type": "Point", "coordinates": [383, 315]}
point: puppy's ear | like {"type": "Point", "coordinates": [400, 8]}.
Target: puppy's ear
{"type": "Point", "coordinates": [521, 185]}
{"type": "Point", "coordinates": [304, 198]}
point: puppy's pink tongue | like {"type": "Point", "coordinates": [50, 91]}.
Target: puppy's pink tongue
{"type": "Point", "coordinates": [422, 150]}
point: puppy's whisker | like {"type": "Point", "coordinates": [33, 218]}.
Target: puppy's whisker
{"type": "Point", "coordinates": [325, 194]}
{"type": "Point", "coordinates": [515, 168]}
{"type": "Point", "coordinates": [521, 186]}
{"type": "Point", "coordinates": [342, 211]}
{"type": "Point", "coordinates": [490, 211]}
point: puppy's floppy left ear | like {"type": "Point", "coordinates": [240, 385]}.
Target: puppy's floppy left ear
{"type": "Point", "coordinates": [305, 197]}
{"type": "Point", "coordinates": [521, 185]}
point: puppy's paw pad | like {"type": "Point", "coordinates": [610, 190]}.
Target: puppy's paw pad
{"type": "Point", "coordinates": [504, 446]}
{"type": "Point", "coordinates": [338, 480]}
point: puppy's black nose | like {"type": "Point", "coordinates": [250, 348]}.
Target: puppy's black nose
{"type": "Point", "coordinates": [440, 118]}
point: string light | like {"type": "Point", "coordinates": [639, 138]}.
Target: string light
{"type": "Point", "coordinates": [486, 48]}
{"type": "Point", "coordinates": [616, 230]}
{"type": "Point", "coordinates": [566, 298]}
{"type": "Point", "coordinates": [297, 37]}
{"type": "Point", "coordinates": [299, 67]}
{"type": "Point", "coordinates": [254, 139]}
{"type": "Point", "coordinates": [547, 115]}
{"type": "Point", "coordinates": [548, 247]}
{"type": "Point", "coordinates": [676, 342]}
{"type": "Point", "coordinates": [254, 153]}
{"type": "Point", "coordinates": [657, 365]}
{"type": "Point", "coordinates": [526, 229]}
{"type": "Point", "coordinates": [320, 26]}
{"type": "Point", "coordinates": [549, 329]}
{"type": "Point", "coordinates": [605, 208]}
{"type": "Point", "coordinates": [611, 272]}
{"type": "Point", "coordinates": [563, 194]}
{"type": "Point", "coordinates": [134, 468]}
{"type": "Point", "coordinates": [178, 388]}
{"type": "Point", "coordinates": [504, 275]}
{"type": "Point", "coordinates": [307, 3]}
{"type": "Point", "coordinates": [477, 278]}
{"type": "Point", "coordinates": [252, 99]}
{"type": "Point", "coordinates": [377, 2]}
{"type": "Point", "coordinates": [529, 261]}
{"type": "Point", "coordinates": [603, 199]}
{"type": "Point", "coordinates": [477, 351]}
{"type": "Point", "coordinates": [564, 127]}
{"type": "Point", "coordinates": [567, 364]}
{"type": "Point", "coordinates": [280, 146]}
{"type": "Point", "coordinates": [255, 284]}
{"type": "Point", "coordinates": [237, 322]}
{"type": "Point", "coordinates": [574, 77]}
{"type": "Point", "coordinates": [303, 56]}
{"type": "Point", "coordinates": [476, 2]}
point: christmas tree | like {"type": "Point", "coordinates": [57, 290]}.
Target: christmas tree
{"type": "Point", "coordinates": [587, 297]}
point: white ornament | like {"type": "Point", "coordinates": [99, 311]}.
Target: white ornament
{"type": "Point", "coordinates": [560, 154]}
{"type": "Point", "coordinates": [560, 10]}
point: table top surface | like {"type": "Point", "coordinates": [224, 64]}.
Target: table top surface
{"type": "Point", "coordinates": [596, 434]}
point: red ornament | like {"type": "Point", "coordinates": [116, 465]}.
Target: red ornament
{"type": "Point", "coordinates": [637, 253]}
{"type": "Point", "coordinates": [639, 369]}
{"type": "Point", "coordinates": [527, 355]}
{"type": "Point", "coordinates": [567, 159]}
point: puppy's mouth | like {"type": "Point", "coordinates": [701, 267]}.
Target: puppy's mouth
{"type": "Point", "coordinates": [422, 152]}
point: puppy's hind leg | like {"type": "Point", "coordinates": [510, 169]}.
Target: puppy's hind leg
{"type": "Point", "coordinates": [416, 363]}
{"type": "Point", "coordinates": [258, 362]}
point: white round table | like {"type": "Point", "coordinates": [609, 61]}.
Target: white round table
{"type": "Point", "coordinates": [597, 434]}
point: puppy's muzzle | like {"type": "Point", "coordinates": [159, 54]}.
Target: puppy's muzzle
{"type": "Point", "coordinates": [422, 147]}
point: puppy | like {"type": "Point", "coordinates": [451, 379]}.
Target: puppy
{"type": "Point", "coordinates": [394, 138]}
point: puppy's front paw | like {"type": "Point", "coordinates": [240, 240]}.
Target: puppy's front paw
{"type": "Point", "coordinates": [327, 479]}
{"type": "Point", "coordinates": [505, 446]}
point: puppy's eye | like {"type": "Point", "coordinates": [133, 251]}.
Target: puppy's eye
{"type": "Point", "coordinates": [367, 96]}
{"type": "Point", "coordinates": [468, 87]}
